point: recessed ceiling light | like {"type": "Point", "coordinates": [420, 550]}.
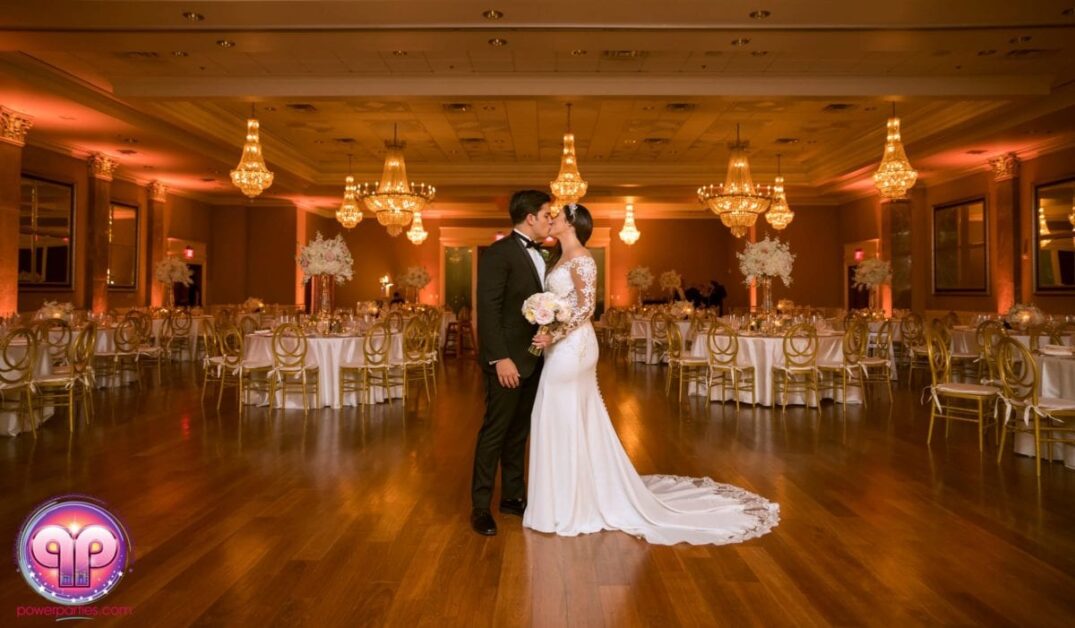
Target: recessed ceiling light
{"type": "Point", "coordinates": [741, 41]}
{"type": "Point", "coordinates": [680, 106]}
{"type": "Point", "coordinates": [1022, 39]}
{"type": "Point", "coordinates": [497, 42]}
{"type": "Point", "coordinates": [787, 140]}
{"type": "Point", "coordinates": [986, 52]}
{"type": "Point", "coordinates": [126, 151]}
{"type": "Point", "coordinates": [492, 14]}
{"type": "Point", "coordinates": [129, 140]}
{"type": "Point", "coordinates": [208, 179]}
{"type": "Point", "coordinates": [191, 16]}
{"type": "Point", "coordinates": [578, 52]}
{"type": "Point", "coordinates": [225, 43]}
{"type": "Point", "coordinates": [760, 53]}
{"type": "Point", "coordinates": [488, 107]}
{"type": "Point", "coordinates": [457, 107]}
{"type": "Point", "coordinates": [977, 151]}
{"type": "Point", "coordinates": [400, 53]}
{"type": "Point", "coordinates": [180, 53]}
{"type": "Point", "coordinates": [68, 118]}
{"type": "Point", "coordinates": [760, 14]}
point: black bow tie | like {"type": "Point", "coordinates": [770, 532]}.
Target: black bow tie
{"type": "Point", "coordinates": [527, 242]}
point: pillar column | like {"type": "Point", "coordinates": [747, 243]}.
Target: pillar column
{"type": "Point", "coordinates": [100, 199]}
{"type": "Point", "coordinates": [160, 219]}
{"type": "Point", "coordinates": [1006, 259]}
{"type": "Point", "coordinates": [13, 129]}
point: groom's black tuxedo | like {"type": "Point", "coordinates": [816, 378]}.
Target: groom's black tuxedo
{"type": "Point", "coordinates": [507, 276]}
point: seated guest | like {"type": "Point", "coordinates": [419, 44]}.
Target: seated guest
{"type": "Point", "coordinates": [396, 298]}
{"type": "Point", "coordinates": [716, 296]}
{"type": "Point", "coordinates": [694, 295]}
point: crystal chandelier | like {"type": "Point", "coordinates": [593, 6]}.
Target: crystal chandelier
{"type": "Point", "coordinates": [895, 176]}
{"type": "Point", "coordinates": [737, 201]}
{"type": "Point", "coordinates": [568, 187]}
{"type": "Point", "coordinates": [417, 234]}
{"type": "Point", "coordinates": [349, 214]}
{"type": "Point", "coordinates": [779, 215]}
{"type": "Point", "coordinates": [630, 233]}
{"type": "Point", "coordinates": [251, 176]}
{"type": "Point", "coordinates": [393, 199]}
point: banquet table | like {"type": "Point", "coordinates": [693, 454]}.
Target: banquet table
{"type": "Point", "coordinates": [327, 353]}
{"type": "Point", "coordinates": [195, 330]}
{"type": "Point", "coordinates": [644, 327]}
{"type": "Point", "coordinates": [765, 352]}
{"type": "Point", "coordinates": [1057, 381]}
{"type": "Point", "coordinates": [10, 423]}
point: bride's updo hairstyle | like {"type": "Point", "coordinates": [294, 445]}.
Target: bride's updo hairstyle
{"type": "Point", "coordinates": [579, 217]}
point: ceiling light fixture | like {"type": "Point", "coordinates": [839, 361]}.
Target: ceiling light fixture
{"type": "Point", "coordinates": [497, 42]}
{"type": "Point", "coordinates": [630, 233]}
{"type": "Point", "coordinates": [225, 43]}
{"type": "Point", "coordinates": [741, 41]}
{"type": "Point", "coordinates": [737, 201]}
{"type": "Point", "coordinates": [393, 199]}
{"type": "Point", "coordinates": [578, 52]}
{"type": "Point", "coordinates": [987, 52]}
{"type": "Point", "coordinates": [417, 234]}
{"type": "Point", "coordinates": [251, 176]}
{"type": "Point", "coordinates": [779, 215]}
{"type": "Point", "coordinates": [191, 16]}
{"type": "Point", "coordinates": [569, 186]}
{"type": "Point", "coordinates": [180, 53]}
{"type": "Point", "coordinates": [895, 176]}
{"type": "Point", "coordinates": [349, 214]}
{"type": "Point", "coordinates": [400, 53]}
{"type": "Point", "coordinates": [492, 14]}
{"type": "Point", "coordinates": [760, 14]}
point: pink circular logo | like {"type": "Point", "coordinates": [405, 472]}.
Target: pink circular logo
{"type": "Point", "coordinates": [72, 551]}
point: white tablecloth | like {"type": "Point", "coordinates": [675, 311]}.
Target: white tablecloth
{"type": "Point", "coordinates": [644, 327]}
{"type": "Point", "coordinates": [1057, 381]}
{"type": "Point", "coordinates": [327, 353]}
{"type": "Point", "coordinates": [765, 352]}
{"type": "Point", "coordinates": [10, 422]}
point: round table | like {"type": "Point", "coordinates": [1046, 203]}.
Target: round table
{"type": "Point", "coordinates": [644, 327]}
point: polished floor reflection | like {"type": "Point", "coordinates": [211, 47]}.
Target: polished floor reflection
{"type": "Point", "coordinates": [359, 517]}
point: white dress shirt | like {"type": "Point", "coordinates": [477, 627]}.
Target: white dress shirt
{"type": "Point", "coordinates": [539, 261]}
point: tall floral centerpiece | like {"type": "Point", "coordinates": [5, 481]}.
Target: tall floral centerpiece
{"type": "Point", "coordinates": [52, 309]}
{"type": "Point", "coordinates": [672, 282]}
{"type": "Point", "coordinates": [1022, 317]}
{"type": "Point", "coordinates": [871, 274]}
{"type": "Point", "coordinates": [170, 271]}
{"type": "Point", "coordinates": [414, 279]}
{"type": "Point", "coordinates": [640, 278]}
{"type": "Point", "coordinates": [761, 262]}
{"type": "Point", "coordinates": [326, 262]}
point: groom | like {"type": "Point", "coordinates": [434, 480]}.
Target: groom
{"type": "Point", "coordinates": [509, 271]}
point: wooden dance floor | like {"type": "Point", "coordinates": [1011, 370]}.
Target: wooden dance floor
{"type": "Point", "coordinates": [360, 517]}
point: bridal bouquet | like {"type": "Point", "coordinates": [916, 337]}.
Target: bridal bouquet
{"type": "Point", "coordinates": [871, 273]}
{"type": "Point", "coordinates": [52, 309]}
{"type": "Point", "coordinates": [545, 309]}
{"type": "Point", "coordinates": [765, 260]}
{"type": "Point", "coordinates": [640, 277]}
{"type": "Point", "coordinates": [1023, 316]}
{"type": "Point", "coordinates": [416, 277]}
{"type": "Point", "coordinates": [326, 257]}
{"type": "Point", "coordinates": [172, 270]}
{"type": "Point", "coordinates": [253, 305]}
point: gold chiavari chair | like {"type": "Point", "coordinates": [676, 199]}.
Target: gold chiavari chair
{"type": "Point", "coordinates": [798, 373]}
{"type": "Point", "coordinates": [954, 401]}
{"type": "Point", "coordinates": [290, 371]}
{"type": "Point", "coordinates": [432, 347]}
{"type": "Point", "coordinates": [1050, 420]}
{"type": "Point", "coordinates": [965, 363]}
{"type": "Point", "coordinates": [722, 344]}
{"type": "Point", "coordinates": [60, 388]}
{"type": "Point", "coordinates": [658, 334]}
{"type": "Point", "coordinates": [213, 359]}
{"type": "Point", "coordinates": [18, 357]}
{"type": "Point", "coordinates": [54, 337]}
{"type": "Point", "coordinates": [1037, 332]}
{"type": "Point", "coordinates": [236, 370]}
{"type": "Point", "coordinates": [951, 319]}
{"type": "Point", "coordinates": [913, 346]}
{"type": "Point", "coordinates": [416, 359]}
{"type": "Point", "coordinates": [850, 371]}
{"type": "Point", "coordinates": [374, 371]}
{"type": "Point", "coordinates": [181, 329]}
{"type": "Point", "coordinates": [1062, 333]}
{"type": "Point", "coordinates": [248, 324]}
{"type": "Point", "coordinates": [682, 366]}
{"type": "Point", "coordinates": [149, 353]}
{"type": "Point", "coordinates": [877, 368]}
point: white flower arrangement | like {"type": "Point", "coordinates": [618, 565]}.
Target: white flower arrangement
{"type": "Point", "coordinates": [680, 309]}
{"type": "Point", "coordinates": [671, 280]}
{"type": "Point", "coordinates": [326, 257]}
{"type": "Point", "coordinates": [171, 270]}
{"type": "Point", "coordinates": [52, 309]}
{"type": "Point", "coordinates": [253, 304]}
{"type": "Point", "coordinates": [640, 277]}
{"type": "Point", "coordinates": [766, 259]}
{"type": "Point", "coordinates": [1023, 316]}
{"type": "Point", "coordinates": [416, 277]}
{"type": "Point", "coordinates": [870, 273]}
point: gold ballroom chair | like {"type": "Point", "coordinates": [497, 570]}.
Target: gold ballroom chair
{"type": "Point", "coordinates": [722, 351]}
{"type": "Point", "coordinates": [952, 401]}
{"type": "Point", "coordinates": [799, 373]}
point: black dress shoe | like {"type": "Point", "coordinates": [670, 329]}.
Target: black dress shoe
{"type": "Point", "coordinates": [515, 506]}
{"type": "Point", "coordinates": [482, 521]}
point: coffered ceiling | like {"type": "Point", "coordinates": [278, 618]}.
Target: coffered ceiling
{"type": "Point", "coordinates": [657, 90]}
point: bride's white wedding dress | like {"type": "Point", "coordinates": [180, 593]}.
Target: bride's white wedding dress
{"type": "Point", "coordinates": [581, 479]}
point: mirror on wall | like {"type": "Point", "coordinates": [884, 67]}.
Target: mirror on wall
{"type": "Point", "coordinates": [46, 232]}
{"type": "Point", "coordinates": [122, 246]}
{"type": "Point", "coordinates": [1054, 237]}
{"type": "Point", "coordinates": [960, 248]}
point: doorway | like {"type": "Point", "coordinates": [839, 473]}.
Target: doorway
{"type": "Point", "coordinates": [857, 299]}
{"type": "Point", "coordinates": [189, 296]}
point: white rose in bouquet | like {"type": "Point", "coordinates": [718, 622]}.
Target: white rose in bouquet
{"type": "Point", "coordinates": [640, 277]}
{"type": "Point", "coordinates": [326, 257]}
{"type": "Point", "coordinates": [545, 309]}
{"type": "Point", "coordinates": [766, 259]}
{"type": "Point", "coordinates": [871, 273]}
{"type": "Point", "coordinates": [415, 277]}
{"type": "Point", "coordinates": [172, 270]}
{"type": "Point", "coordinates": [52, 309]}
{"type": "Point", "coordinates": [1022, 316]}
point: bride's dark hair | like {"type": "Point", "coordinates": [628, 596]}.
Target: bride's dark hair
{"type": "Point", "coordinates": [579, 217]}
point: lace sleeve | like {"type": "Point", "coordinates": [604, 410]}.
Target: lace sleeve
{"type": "Point", "coordinates": [583, 272]}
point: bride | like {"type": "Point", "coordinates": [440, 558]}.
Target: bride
{"type": "Point", "coordinates": [581, 479]}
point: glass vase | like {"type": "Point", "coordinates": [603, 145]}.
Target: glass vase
{"type": "Point", "coordinates": [766, 285]}
{"type": "Point", "coordinates": [322, 295]}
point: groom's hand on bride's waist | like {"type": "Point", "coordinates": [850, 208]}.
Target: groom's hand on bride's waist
{"type": "Point", "coordinates": [507, 373]}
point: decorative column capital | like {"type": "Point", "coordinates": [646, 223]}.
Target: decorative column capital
{"type": "Point", "coordinates": [1005, 167]}
{"type": "Point", "coordinates": [14, 126]}
{"type": "Point", "coordinates": [158, 191]}
{"type": "Point", "coordinates": [101, 167]}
